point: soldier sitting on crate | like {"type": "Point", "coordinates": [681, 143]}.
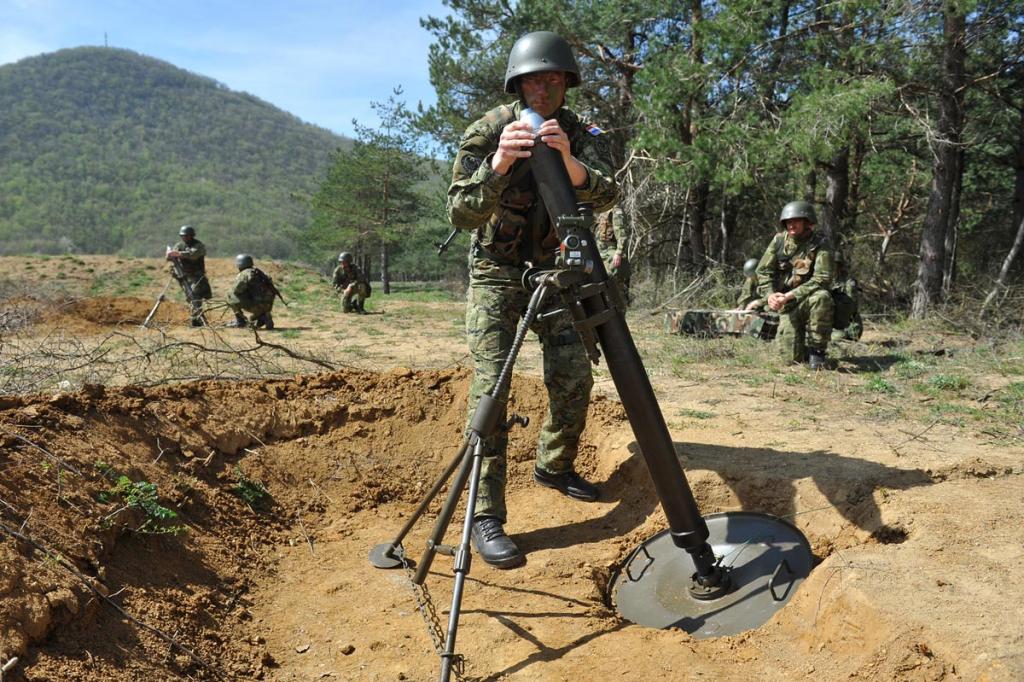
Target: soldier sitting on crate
{"type": "Point", "coordinates": [190, 255]}
{"type": "Point", "coordinates": [253, 292]}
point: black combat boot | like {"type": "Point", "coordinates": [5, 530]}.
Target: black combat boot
{"type": "Point", "coordinates": [493, 545]}
{"type": "Point", "coordinates": [268, 321]}
{"type": "Point", "coordinates": [240, 321]}
{"type": "Point", "coordinates": [197, 322]}
{"type": "Point", "coordinates": [816, 358]}
{"type": "Point", "coordinates": [570, 483]}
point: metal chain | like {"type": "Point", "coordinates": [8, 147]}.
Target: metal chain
{"type": "Point", "coordinates": [425, 605]}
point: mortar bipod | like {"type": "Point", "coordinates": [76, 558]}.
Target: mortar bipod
{"type": "Point", "coordinates": [486, 421]}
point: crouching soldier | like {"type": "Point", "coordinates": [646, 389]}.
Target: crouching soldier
{"type": "Point", "coordinates": [794, 277]}
{"type": "Point", "coordinates": [351, 284]}
{"type": "Point", "coordinates": [253, 292]}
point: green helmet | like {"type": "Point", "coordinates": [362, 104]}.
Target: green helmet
{"type": "Point", "coordinates": [345, 257]}
{"type": "Point", "coordinates": [798, 209]}
{"type": "Point", "coordinates": [243, 261]}
{"type": "Point", "coordinates": [541, 51]}
{"type": "Point", "coordinates": [750, 267]}
{"type": "Point", "coordinates": [187, 231]}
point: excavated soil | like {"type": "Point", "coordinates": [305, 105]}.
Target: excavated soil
{"type": "Point", "coordinates": [916, 528]}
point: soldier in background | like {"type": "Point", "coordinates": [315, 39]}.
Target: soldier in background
{"type": "Point", "coordinates": [749, 298]}
{"type": "Point", "coordinates": [252, 292]}
{"type": "Point", "coordinates": [349, 281]}
{"type": "Point", "coordinates": [493, 193]}
{"type": "Point", "coordinates": [795, 277]}
{"type": "Point", "coordinates": [847, 324]}
{"type": "Point", "coordinates": [613, 244]}
{"type": "Point", "coordinates": [191, 255]}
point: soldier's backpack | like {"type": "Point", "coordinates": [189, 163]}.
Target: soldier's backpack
{"type": "Point", "coordinates": [263, 287]}
{"type": "Point", "coordinates": [845, 308]}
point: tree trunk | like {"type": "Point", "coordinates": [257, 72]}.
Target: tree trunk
{"type": "Point", "coordinates": [837, 190]}
{"type": "Point", "coordinates": [698, 211]}
{"type": "Point", "coordinates": [946, 168]}
{"type": "Point", "coordinates": [1018, 218]}
{"type": "Point", "coordinates": [385, 274]}
{"type": "Point", "coordinates": [952, 233]}
{"type": "Point", "coordinates": [726, 228]}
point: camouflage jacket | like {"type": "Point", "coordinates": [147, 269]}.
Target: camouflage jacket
{"type": "Point", "coordinates": [192, 258]}
{"type": "Point", "coordinates": [748, 294]}
{"type": "Point", "coordinates": [342, 279]}
{"type": "Point", "coordinates": [798, 267]}
{"type": "Point", "coordinates": [511, 225]}
{"type": "Point", "coordinates": [610, 233]}
{"type": "Point", "coordinates": [252, 287]}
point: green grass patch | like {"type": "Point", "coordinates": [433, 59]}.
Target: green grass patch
{"type": "Point", "coordinates": [695, 414]}
{"type": "Point", "coordinates": [939, 384]}
{"type": "Point", "coordinates": [793, 379]}
{"type": "Point", "coordinates": [878, 384]}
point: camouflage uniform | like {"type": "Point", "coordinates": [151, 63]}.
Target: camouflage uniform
{"type": "Point", "coordinates": [511, 230]}
{"type": "Point", "coordinates": [353, 298]}
{"type": "Point", "coordinates": [253, 292]}
{"type": "Point", "coordinates": [192, 258]}
{"type": "Point", "coordinates": [612, 238]}
{"type": "Point", "coordinates": [749, 293]}
{"type": "Point", "coordinates": [847, 324]}
{"type": "Point", "coordinates": [804, 268]}
{"type": "Point", "coordinates": [712, 323]}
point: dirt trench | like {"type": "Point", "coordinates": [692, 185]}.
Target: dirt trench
{"type": "Point", "coordinates": [279, 587]}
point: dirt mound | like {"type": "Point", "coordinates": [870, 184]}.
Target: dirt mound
{"type": "Point", "coordinates": [110, 311]}
{"type": "Point", "coordinates": [280, 488]}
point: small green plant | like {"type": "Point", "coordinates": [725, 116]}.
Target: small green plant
{"type": "Point", "coordinates": [948, 382]}
{"type": "Point", "coordinates": [909, 369]}
{"type": "Point", "coordinates": [878, 384]}
{"type": "Point", "coordinates": [251, 491]}
{"type": "Point", "coordinates": [142, 496]}
{"type": "Point", "coordinates": [794, 379]}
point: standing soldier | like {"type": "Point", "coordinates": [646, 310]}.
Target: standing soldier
{"type": "Point", "coordinates": [613, 244]}
{"type": "Point", "coordinates": [350, 282]}
{"type": "Point", "coordinates": [795, 275]}
{"type": "Point", "coordinates": [253, 292]}
{"type": "Point", "coordinates": [190, 253]}
{"type": "Point", "coordinates": [494, 194]}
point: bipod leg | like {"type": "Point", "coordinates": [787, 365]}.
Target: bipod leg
{"type": "Point", "coordinates": [463, 560]}
{"type": "Point", "coordinates": [384, 555]}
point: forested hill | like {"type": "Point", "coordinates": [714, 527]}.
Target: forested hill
{"type": "Point", "coordinates": [105, 150]}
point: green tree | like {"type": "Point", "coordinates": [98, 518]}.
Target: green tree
{"type": "Point", "coordinates": [372, 196]}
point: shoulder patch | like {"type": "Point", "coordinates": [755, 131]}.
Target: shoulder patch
{"type": "Point", "coordinates": [470, 163]}
{"type": "Point", "coordinates": [593, 129]}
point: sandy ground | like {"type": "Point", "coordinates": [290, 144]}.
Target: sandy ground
{"type": "Point", "coordinates": [916, 525]}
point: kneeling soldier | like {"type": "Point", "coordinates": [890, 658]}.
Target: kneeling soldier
{"type": "Point", "coordinates": [794, 276]}
{"type": "Point", "coordinates": [349, 281]}
{"type": "Point", "coordinates": [252, 292]}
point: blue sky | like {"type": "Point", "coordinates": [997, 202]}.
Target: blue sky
{"type": "Point", "coordinates": [322, 60]}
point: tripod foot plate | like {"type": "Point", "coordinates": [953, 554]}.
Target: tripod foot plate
{"type": "Point", "coordinates": [386, 555]}
{"type": "Point", "coordinates": [766, 559]}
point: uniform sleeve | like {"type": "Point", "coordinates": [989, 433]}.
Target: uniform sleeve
{"type": "Point", "coordinates": [476, 188]}
{"type": "Point", "coordinates": [336, 277]}
{"type": "Point", "coordinates": [766, 268]}
{"type": "Point", "coordinates": [241, 286]}
{"type": "Point", "coordinates": [619, 228]}
{"type": "Point", "coordinates": [824, 268]}
{"type": "Point", "coordinates": [600, 188]}
{"type": "Point", "coordinates": [194, 252]}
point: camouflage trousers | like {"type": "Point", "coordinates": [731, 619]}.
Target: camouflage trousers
{"type": "Point", "coordinates": [352, 297]}
{"type": "Point", "coordinates": [804, 325]}
{"type": "Point", "coordinates": [253, 308]}
{"type": "Point", "coordinates": [200, 290]}
{"type": "Point", "coordinates": [492, 314]}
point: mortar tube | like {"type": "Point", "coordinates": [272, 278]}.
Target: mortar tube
{"type": "Point", "coordinates": [686, 525]}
